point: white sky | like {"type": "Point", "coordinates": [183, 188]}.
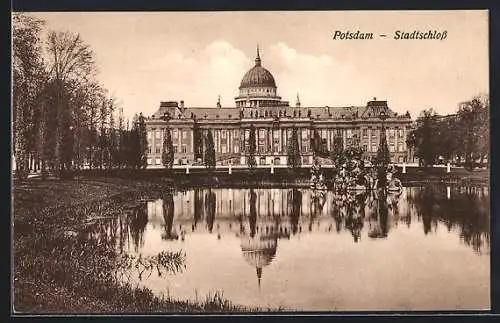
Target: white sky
{"type": "Point", "coordinates": [148, 57]}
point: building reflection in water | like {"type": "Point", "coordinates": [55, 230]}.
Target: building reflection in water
{"type": "Point", "coordinates": [261, 217]}
{"type": "Point", "coordinates": [260, 244]}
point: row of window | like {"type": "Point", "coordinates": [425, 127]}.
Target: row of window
{"type": "Point", "coordinates": [175, 134]}
{"type": "Point", "coordinates": [158, 149]}
{"type": "Point", "coordinates": [157, 161]}
{"type": "Point", "coordinates": [262, 132]}
{"type": "Point", "coordinates": [391, 132]}
{"type": "Point", "coordinates": [392, 147]}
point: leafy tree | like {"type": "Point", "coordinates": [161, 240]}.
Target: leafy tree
{"type": "Point", "coordinates": [424, 139]}
{"type": "Point", "coordinates": [28, 81]}
{"type": "Point", "coordinates": [143, 142]}
{"type": "Point", "coordinates": [198, 141]}
{"type": "Point", "coordinates": [337, 155]}
{"type": "Point", "coordinates": [382, 159]}
{"type": "Point", "coordinates": [448, 137]}
{"type": "Point", "coordinates": [293, 150]}
{"type": "Point", "coordinates": [473, 118]}
{"type": "Point", "coordinates": [252, 147]}
{"type": "Point", "coordinates": [167, 156]}
{"type": "Point", "coordinates": [134, 151]}
{"type": "Point", "coordinates": [209, 150]}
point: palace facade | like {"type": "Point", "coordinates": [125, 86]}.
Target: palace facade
{"type": "Point", "coordinates": [259, 105]}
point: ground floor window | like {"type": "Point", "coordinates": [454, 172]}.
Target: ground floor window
{"type": "Point", "coordinates": [277, 161]}
{"type": "Point", "coordinates": [150, 161]}
{"type": "Point", "coordinates": [262, 160]}
{"type": "Point", "coordinates": [157, 161]}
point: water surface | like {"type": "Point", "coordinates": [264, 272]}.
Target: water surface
{"type": "Point", "coordinates": [423, 249]}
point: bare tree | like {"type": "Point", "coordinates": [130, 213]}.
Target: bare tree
{"type": "Point", "coordinates": [70, 60]}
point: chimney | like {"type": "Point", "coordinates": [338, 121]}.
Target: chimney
{"type": "Point", "coordinates": [182, 105]}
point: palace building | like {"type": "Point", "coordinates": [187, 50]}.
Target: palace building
{"type": "Point", "coordinates": [259, 106]}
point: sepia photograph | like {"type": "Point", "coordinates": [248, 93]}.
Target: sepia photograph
{"type": "Point", "coordinates": [250, 162]}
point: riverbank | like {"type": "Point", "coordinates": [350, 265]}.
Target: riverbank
{"type": "Point", "coordinates": [285, 177]}
{"type": "Point", "coordinates": [58, 270]}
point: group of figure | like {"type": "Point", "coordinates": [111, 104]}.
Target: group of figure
{"type": "Point", "coordinates": [352, 175]}
{"type": "Point", "coordinates": [317, 177]}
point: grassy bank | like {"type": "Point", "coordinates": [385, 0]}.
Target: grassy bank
{"type": "Point", "coordinates": [60, 268]}
{"type": "Point", "coordinates": [284, 177]}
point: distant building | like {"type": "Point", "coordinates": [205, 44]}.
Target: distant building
{"type": "Point", "coordinates": [258, 104]}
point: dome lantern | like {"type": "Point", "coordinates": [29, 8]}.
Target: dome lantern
{"type": "Point", "coordinates": [257, 59]}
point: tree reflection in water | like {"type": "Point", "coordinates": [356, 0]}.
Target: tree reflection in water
{"type": "Point", "coordinates": [168, 216]}
{"type": "Point", "coordinates": [138, 218]}
{"type": "Point", "coordinates": [469, 211]}
{"type": "Point", "coordinates": [122, 239]}
{"type": "Point", "coordinates": [267, 215]}
{"type": "Point", "coordinates": [198, 208]}
{"type": "Point", "coordinates": [210, 204]}
{"type": "Point", "coordinates": [252, 218]}
{"type": "Point", "coordinates": [294, 203]}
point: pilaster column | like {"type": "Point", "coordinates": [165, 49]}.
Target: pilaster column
{"type": "Point", "coordinates": [369, 139]}
{"type": "Point", "coordinates": [191, 143]}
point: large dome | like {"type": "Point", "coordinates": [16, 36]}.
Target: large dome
{"type": "Point", "coordinates": [257, 76]}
